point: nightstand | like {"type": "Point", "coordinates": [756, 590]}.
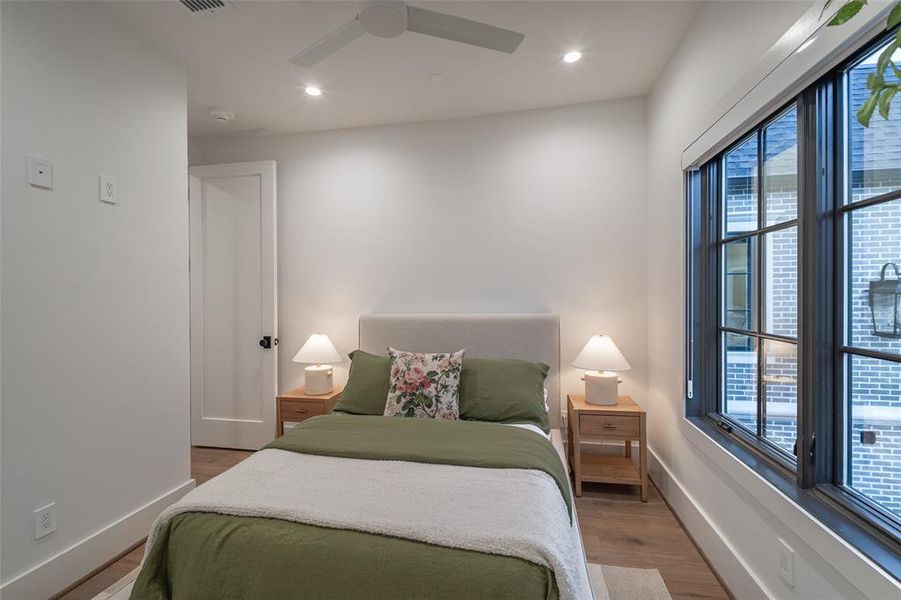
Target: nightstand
{"type": "Point", "coordinates": [624, 421]}
{"type": "Point", "coordinates": [297, 405]}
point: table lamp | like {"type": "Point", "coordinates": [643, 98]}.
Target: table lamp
{"type": "Point", "coordinates": [318, 352]}
{"type": "Point", "coordinates": [599, 357]}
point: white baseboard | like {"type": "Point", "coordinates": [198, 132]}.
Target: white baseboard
{"type": "Point", "coordinates": [73, 563]}
{"type": "Point", "coordinates": [718, 551]}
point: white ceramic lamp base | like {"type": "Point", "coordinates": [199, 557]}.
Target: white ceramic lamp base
{"type": "Point", "coordinates": [601, 387]}
{"type": "Point", "coordinates": [318, 380]}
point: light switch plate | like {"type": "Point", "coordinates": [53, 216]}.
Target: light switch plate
{"type": "Point", "coordinates": [40, 172]}
{"type": "Point", "coordinates": [109, 190]}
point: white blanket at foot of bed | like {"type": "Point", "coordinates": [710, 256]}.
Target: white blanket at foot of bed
{"type": "Point", "coordinates": [510, 512]}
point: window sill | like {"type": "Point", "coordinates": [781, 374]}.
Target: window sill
{"type": "Point", "coordinates": [816, 504]}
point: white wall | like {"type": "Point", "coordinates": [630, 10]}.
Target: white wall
{"type": "Point", "coordinates": [531, 211]}
{"type": "Point", "coordinates": [94, 297]}
{"type": "Point", "coordinates": [735, 516]}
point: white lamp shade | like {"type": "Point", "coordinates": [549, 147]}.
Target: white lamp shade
{"type": "Point", "coordinates": [318, 350]}
{"type": "Point", "coordinates": [601, 354]}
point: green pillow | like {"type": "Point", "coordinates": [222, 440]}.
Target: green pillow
{"type": "Point", "coordinates": [367, 385]}
{"type": "Point", "coordinates": [503, 390]}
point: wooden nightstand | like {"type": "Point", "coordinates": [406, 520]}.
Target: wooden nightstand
{"type": "Point", "coordinates": [624, 421]}
{"type": "Point", "coordinates": [297, 405]}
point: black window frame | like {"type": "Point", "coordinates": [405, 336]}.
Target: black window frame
{"type": "Point", "coordinates": [816, 480]}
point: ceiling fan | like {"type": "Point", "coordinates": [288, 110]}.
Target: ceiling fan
{"type": "Point", "coordinates": [388, 19]}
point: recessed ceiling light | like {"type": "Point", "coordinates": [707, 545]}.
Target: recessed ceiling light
{"type": "Point", "coordinates": [312, 90]}
{"type": "Point", "coordinates": [572, 57]}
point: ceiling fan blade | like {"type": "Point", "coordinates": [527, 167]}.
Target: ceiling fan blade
{"type": "Point", "coordinates": [449, 27]}
{"type": "Point", "coordinates": [328, 45]}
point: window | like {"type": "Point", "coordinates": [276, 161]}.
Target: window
{"type": "Point", "coordinates": [759, 254]}
{"type": "Point", "coordinates": [871, 226]}
{"type": "Point", "coordinates": [794, 287]}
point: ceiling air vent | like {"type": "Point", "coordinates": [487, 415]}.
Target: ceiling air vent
{"type": "Point", "coordinates": [206, 6]}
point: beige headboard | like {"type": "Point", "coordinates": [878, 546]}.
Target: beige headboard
{"type": "Point", "coordinates": [531, 336]}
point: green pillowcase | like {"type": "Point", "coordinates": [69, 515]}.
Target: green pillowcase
{"type": "Point", "coordinates": [498, 390]}
{"type": "Point", "coordinates": [367, 385]}
{"type": "Point", "coordinates": [503, 390]}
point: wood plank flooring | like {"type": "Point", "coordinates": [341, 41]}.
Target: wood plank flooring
{"type": "Point", "coordinates": [617, 528]}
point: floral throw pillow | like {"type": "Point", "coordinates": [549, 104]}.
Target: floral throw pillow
{"type": "Point", "coordinates": [424, 385]}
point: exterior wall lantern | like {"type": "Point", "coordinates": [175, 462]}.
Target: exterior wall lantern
{"type": "Point", "coordinates": [885, 304]}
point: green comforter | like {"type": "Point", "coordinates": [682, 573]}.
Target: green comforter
{"type": "Point", "coordinates": [205, 555]}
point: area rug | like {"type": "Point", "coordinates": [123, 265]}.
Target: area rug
{"type": "Point", "coordinates": [608, 583]}
{"type": "Point", "coordinates": [621, 583]}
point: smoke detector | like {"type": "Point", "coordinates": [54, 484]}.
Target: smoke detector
{"type": "Point", "coordinates": [217, 113]}
{"type": "Point", "coordinates": [208, 7]}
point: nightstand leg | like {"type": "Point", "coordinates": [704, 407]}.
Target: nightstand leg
{"type": "Point", "coordinates": [577, 454]}
{"type": "Point", "coordinates": [643, 461]}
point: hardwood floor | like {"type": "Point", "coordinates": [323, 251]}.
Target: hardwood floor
{"type": "Point", "coordinates": [617, 528]}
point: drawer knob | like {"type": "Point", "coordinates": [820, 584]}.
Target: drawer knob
{"type": "Point", "coordinates": [609, 426]}
{"type": "Point", "coordinates": [301, 410]}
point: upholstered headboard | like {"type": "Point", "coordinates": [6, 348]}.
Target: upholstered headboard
{"type": "Point", "coordinates": [534, 337]}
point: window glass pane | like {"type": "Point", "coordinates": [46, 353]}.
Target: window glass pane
{"type": "Point", "coordinates": [779, 287]}
{"type": "Point", "coordinates": [738, 284]}
{"type": "Point", "coordinates": [780, 393]}
{"type": "Point", "coordinates": [874, 463]}
{"type": "Point", "coordinates": [874, 239]}
{"type": "Point", "coordinates": [740, 379]}
{"type": "Point", "coordinates": [740, 185]}
{"type": "Point", "coordinates": [874, 155]}
{"type": "Point", "coordinates": [780, 169]}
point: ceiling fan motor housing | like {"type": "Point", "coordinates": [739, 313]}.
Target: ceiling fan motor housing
{"type": "Point", "coordinates": [384, 19]}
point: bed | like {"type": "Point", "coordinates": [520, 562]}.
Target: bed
{"type": "Point", "coordinates": [352, 506]}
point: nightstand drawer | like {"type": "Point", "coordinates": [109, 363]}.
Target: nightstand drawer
{"type": "Point", "coordinates": [610, 426]}
{"type": "Point", "coordinates": [298, 411]}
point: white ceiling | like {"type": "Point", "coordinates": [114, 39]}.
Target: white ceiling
{"type": "Point", "coordinates": [239, 60]}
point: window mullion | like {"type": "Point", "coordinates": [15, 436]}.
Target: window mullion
{"type": "Point", "coordinates": [710, 288]}
{"type": "Point", "coordinates": [758, 283]}
{"type": "Point", "coordinates": [834, 422]}
{"type": "Point", "coordinates": [816, 281]}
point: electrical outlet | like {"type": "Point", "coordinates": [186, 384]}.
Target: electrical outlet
{"type": "Point", "coordinates": [40, 172]}
{"type": "Point", "coordinates": [45, 521]}
{"type": "Point", "coordinates": [109, 190]}
{"type": "Point", "coordinates": [787, 563]}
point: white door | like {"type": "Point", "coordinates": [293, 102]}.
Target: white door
{"type": "Point", "coordinates": [233, 305]}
